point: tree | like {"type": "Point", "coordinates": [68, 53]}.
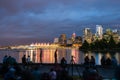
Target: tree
{"type": "Point", "coordinates": [103, 44]}
{"type": "Point", "coordinates": [85, 45]}
{"type": "Point", "coordinates": [111, 43]}
{"type": "Point", "coordinates": [118, 45]}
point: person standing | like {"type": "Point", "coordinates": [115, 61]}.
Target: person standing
{"type": "Point", "coordinates": [41, 55]}
{"type": "Point", "coordinates": [86, 60]}
{"type": "Point", "coordinates": [72, 61]}
{"type": "Point", "coordinates": [28, 59]}
{"type": "Point", "coordinates": [4, 59]}
{"type": "Point", "coordinates": [24, 59]}
{"type": "Point", "coordinates": [55, 56]}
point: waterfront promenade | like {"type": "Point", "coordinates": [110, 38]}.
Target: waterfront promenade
{"type": "Point", "coordinates": [106, 73]}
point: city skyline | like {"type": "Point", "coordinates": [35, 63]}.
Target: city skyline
{"type": "Point", "coordinates": [27, 21]}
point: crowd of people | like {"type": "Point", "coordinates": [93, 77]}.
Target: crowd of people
{"type": "Point", "coordinates": [88, 61]}
{"type": "Point", "coordinates": [105, 61]}
{"type": "Point", "coordinates": [10, 70]}
{"type": "Point", "coordinates": [26, 60]}
{"type": "Point", "coordinates": [108, 61]}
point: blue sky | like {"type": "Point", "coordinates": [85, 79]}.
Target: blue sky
{"type": "Point", "coordinates": [27, 21]}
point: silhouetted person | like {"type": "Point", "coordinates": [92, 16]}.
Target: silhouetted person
{"type": "Point", "coordinates": [92, 61]}
{"type": "Point", "coordinates": [41, 55]}
{"type": "Point", "coordinates": [108, 61]}
{"type": "Point", "coordinates": [72, 60]}
{"type": "Point", "coordinates": [28, 59]}
{"type": "Point", "coordinates": [55, 56]}
{"type": "Point", "coordinates": [103, 61]}
{"type": "Point", "coordinates": [34, 56]}
{"type": "Point", "coordinates": [86, 60]}
{"type": "Point", "coordinates": [24, 59]}
{"type": "Point", "coordinates": [63, 63]}
{"type": "Point", "coordinates": [4, 59]}
{"type": "Point", "coordinates": [11, 60]}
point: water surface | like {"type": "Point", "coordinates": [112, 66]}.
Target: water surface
{"type": "Point", "coordinates": [48, 55]}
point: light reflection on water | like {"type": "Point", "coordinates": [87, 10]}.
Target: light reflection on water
{"type": "Point", "coordinates": [48, 55]}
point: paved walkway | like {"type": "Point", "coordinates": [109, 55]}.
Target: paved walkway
{"type": "Point", "coordinates": [104, 72]}
{"type": "Point", "coordinates": [107, 73]}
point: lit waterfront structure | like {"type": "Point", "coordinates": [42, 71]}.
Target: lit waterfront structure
{"type": "Point", "coordinates": [87, 35]}
{"type": "Point", "coordinates": [74, 41]}
{"type": "Point", "coordinates": [99, 31]}
{"type": "Point", "coordinates": [35, 46]}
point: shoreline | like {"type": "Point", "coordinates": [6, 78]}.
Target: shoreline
{"type": "Point", "coordinates": [84, 50]}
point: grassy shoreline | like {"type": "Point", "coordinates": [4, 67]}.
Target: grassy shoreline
{"type": "Point", "coordinates": [100, 50]}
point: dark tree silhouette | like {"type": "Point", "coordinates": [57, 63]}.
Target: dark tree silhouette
{"type": "Point", "coordinates": [111, 44]}
{"type": "Point", "coordinates": [85, 45]}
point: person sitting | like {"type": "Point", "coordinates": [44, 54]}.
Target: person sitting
{"type": "Point", "coordinates": [53, 74]}
{"type": "Point", "coordinates": [10, 75]}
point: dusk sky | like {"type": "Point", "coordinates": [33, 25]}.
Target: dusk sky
{"type": "Point", "coordinates": [27, 21]}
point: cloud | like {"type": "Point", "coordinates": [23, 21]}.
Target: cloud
{"type": "Point", "coordinates": [45, 18]}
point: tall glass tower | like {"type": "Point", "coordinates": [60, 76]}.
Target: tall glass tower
{"type": "Point", "coordinates": [99, 31]}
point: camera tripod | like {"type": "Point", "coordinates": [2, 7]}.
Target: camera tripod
{"type": "Point", "coordinates": [73, 66]}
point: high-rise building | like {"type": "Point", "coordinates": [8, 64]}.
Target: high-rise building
{"type": "Point", "coordinates": [62, 39]}
{"type": "Point", "coordinates": [56, 40]}
{"type": "Point", "coordinates": [73, 36]}
{"type": "Point", "coordinates": [99, 31]}
{"type": "Point", "coordinates": [109, 32]}
{"type": "Point", "coordinates": [87, 31]}
{"type": "Point", "coordinates": [87, 35]}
